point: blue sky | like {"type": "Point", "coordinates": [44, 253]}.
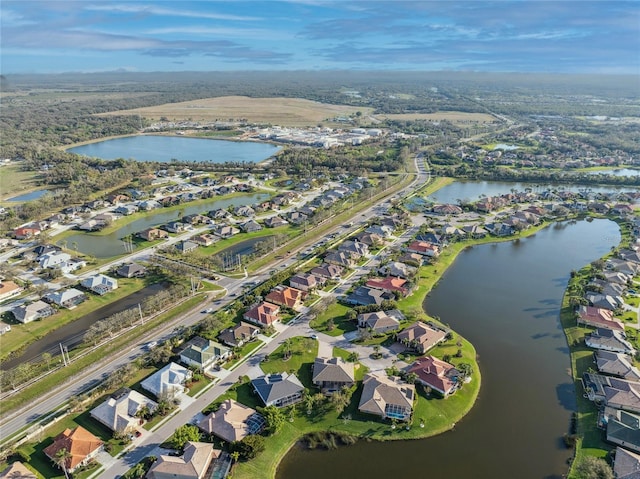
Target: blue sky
{"type": "Point", "coordinates": [474, 35]}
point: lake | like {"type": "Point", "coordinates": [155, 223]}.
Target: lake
{"type": "Point", "coordinates": [166, 148]}
{"type": "Point", "coordinates": [505, 298]}
{"type": "Point", "coordinates": [106, 246]}
{"type": "Point", "coordinates": [32, 195]}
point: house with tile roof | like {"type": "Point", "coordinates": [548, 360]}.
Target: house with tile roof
{"type": "Point", "coordinates": [9, 289]}
{"type": "Point", "coordinates": [239, 334]}
{"type": "Point", "coordinates": [387, 397]}
{"type": "Point", "coordinates": [391, 284]}
{"type": "Point", "coordinates": [194, 463]}
{"type": "Point", "coordinates": [332, 374]}
{"type": "Point", "coordinates": [436, 374]}
{"type": "Point", "coordinates": [263, 314]}
{"type": "Point", "coordinates": [168, 382]}
{"type": "Point", "coordinates": [328, 271]}
{"type": "Point", "coordinates": [80, 444]}
{"type": "Point", "coordinates": [423, 248]}
{"type": "Point", "coordinates": [286, 296]}
{"type": "Point", "coordinates": [131, 270]}
{"type": "Point", "coordinates": [378, 322]}
{"type": "Point", "coordinates": [306, 281]}
{"type": "Point", "coordinates": [118, 412]}
{"type": "Point", "coordinates": [232, 421]}
{"type": "Point", "coordinates": [17, 470]}
{"type": "Point", "coordinates": [278, 389]}
{"type": "Point", "coordinates": [598, 318]}
{"type": "Point", "coordinates": [421, 337]}
{"type": "Point", "coordinates": [203, 353]}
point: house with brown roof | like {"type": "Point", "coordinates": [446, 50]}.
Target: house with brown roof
{"type": "Point", "coordinates": [306, 281]}
{"type": "Point", "coordinates": [598, 318]}
{"type": "Point", "coordinates": [387, 397]}
{"type": "Point", "coordinates": [17, 470]}
{"type": "Point", "coordinates": [232, 421]}
{"type": "Point", "coordinates": [413, 259]}
{"type": "Point", "coordinates": [423, 248]}
{"type": "Point", "coordinates": [152, 234]}
{"type": "Point", "coordinates": [378, 321]}
{"type": "Point", "coordinates": [328, 271]}
{"type": "Point", "coordinates": [263, 314]}
{"type": "Point", "coordinates": [332, 374]}
{"type": "Point", "coordinates": [26, 232]}
{"type": "Point", "coordinates": [340, 258]}
{"type": "Point", "coordinates": [421, 337]}
{"type": "Point", "coordinates": [436, 374]}
{"type": "Point", "coordinates": [390, 283]}
{"type": "Point", "coordinates": [80, 444]}
{"type": "Point", "coordinates": [192, 464]}
{"type": "Point", "coordinates": [204, 239]}
{"type": "Point", "coordinates": [239, 334]}
{"type": "Point", "coordinates": [286, 296]}
{"type": "Point", "coordinates": [9, 289]}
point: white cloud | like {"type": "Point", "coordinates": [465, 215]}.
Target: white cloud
{"type": "Point", "coordinates": [155, 10]}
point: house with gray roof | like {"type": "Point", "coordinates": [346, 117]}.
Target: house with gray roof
{"type": "Point", "coordinates": [421, 337]}
{"type": "Point", "coordinates": [131, 270]}
{"type": "Point", "coordinates": [623, 428]}
{"type": "Point", "coordinates": [616, 364]}
{"type": "Point", "coordinates": [232, 421]}
{"type": "Point", "coordinates": [609, 340]}
{"type": "Point", "coordinates": [364, 296]}
{"type": "Point", "coordinates": [397, 269]}
{"type": "Point", "coordinates": [250, 226]}
{"type": "Point", "coordinates": [194, 463]}
{"type": "Point", "coordinates": [26, 313]}
{"type": "Point", "coordinates": [203, 353]}
{"type": "Point", "coordinates": [626, 464]}
{"type": "Point", "coordinates": [239, 334]}
{"type": "Point", "coordinates": [614, 392]}
{"type": "Point", "coordinates": [340, 258]}
{"type": "Point", "coordinates": [99, 284]}
{"type": "Point", "coordinates": [378, 321]}
{"type": "Point", "coordinates": [604, 301]}
{"type": "Point", "coordinates": [118, 412]}
{"type": "Point", "coordinates": [186, 246]}
{"type": "Point", "coordinates": [387, 397]}
{"type": "Point", "coordinates": [168, 381]}
{"type": "Point", "coordinates": [332, 374]}
{"type": "Point", "coordinates": [68, 298]}
{"type": "Point", "coordinates": [278, 389]}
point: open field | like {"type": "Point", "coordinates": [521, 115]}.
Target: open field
{"type": "Point", "coordinates": [277, 111]}
{"type": "Point", "coordinates": [452, 116]}
{"type": "Point", "coordinates": [14, 181]}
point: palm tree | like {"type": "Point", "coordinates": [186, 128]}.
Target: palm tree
{"type": "Point", "coordinates": [61, 459]}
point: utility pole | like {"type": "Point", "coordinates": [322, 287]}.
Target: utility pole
{"type": "Point", "coordinates": [141, 316]}
{"type": "Point", "coordinates": [64, 359]}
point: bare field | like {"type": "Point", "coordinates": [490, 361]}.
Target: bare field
{"type": "Point", "coordinates": [276, 111]}
{"type": "Point", "coordinates": [452, 116]}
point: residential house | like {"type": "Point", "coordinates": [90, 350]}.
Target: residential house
{"type": "Point", "coordinates": [447, 209]}
{"type": "Point", "coordinates": [387, 397]}
{"type": "Point", "coordinates": [9, 289]}
{"type": "Point", "coordinates": [436, 374]}
{"type": "Point", "coordinates": [355, 248]}
{"type": "Point", "coordinates": [604, 301]}
{"type": "Point", "coordinates": [450, 231]}
{"type": "Point", "coordinates": [53, 259]}
{"type": "Point", "coordinates": [286, 296]}
{"type": "Point", "coordinates": [45, 249]}
{"type": "Point", "coordinates": [622, 209]}
{"type": "Point", "coordinates": [148, 205]}
{"type": "Point", "coordinates": [364, 296]}
{"type": "Point", "coordinates": [275, 221]}
{"type": "Point", "coordinates": [169, 381]}
{"type": "Point", "coordinates": [614, 392]}
{"type": "Point", "coordinates": [117, 198]}
{"type": "Point", "coordinates": [232, 421]}
{"type": "Point", "coordinates": [17, 470]}
{"type": "Point", "coordinates": [340, 258]}
{"type": "Point", "coordinates": [475, 231]}
{"type": "Point", "coordinates": [598, 318]}
{"type": "Point", "coordinates": [26, 313]}
{"type": "Point", "coordinates": [80, 445]}
{"type": "Point", "coordinates": [500, 229]}
{"type": "Point", "coordinates": [99, 284]}
{"type": "Point", "coordinates": [625, 267]}
{"type": "Point", "coordinates": [204, 239]}
{"type": "Point", "coordinates": [131, 270]}
{"type": "Point", "coordinates": [174, 227]}
{"type": "Point", "coordinates": [607, 340]}
{"type": "Point", "coordinates": [203, 353]}
{"type": "Point", "coordinates": [119, 411]}
{"type": "Point", "coordinates": [67, 298]}
{"type": "Point", "coordinates": [126, 210]}
{"type": "Point", "coordinates": [391, 284]}
{"type": "Point", "coordinates": [378, 321]}
{"type": "Point", "coordinates": [219, 214]}
{"type": "Point", "coordinates": [421, 337]}
{"type": "Point", "coordinates": [371, 240]}
{"type": "Point", "coordinates": [397, 269]}
{"type": "Point", "coordinates": [244, 210]}
{"type": "Point", "coordinates": [332, 374]}
{"type": "Point", "coordinates": [306, 281]}
{"type": "Point", "coordinates": [239, 334]}
{"type": "Point", "coordinates": [626, 464]}
{"type": "Point", "coordinates": [617, 277]}
{"type": "Point", "coordinates": [184, 247]}
{"type": "Point", "coordinates": [26, 232]}
{"type": "Point", "coordinates": [328, 271]}
{"type": "Point", "coordinates": [423, 248]}
{"type": "Point", "coordinates": [278, 389]}
{"type": "Point", "coordinates": [250, 226]}
{"type": "Point", "coordinates": [295, 217]}
{"type": "Point", "coordinates": [195, 219]}
{"type": "Point", "coordinates": [413, 259]}
{"type": "Point", "coordinates": [433, 238]}
{"type": "Point", "coordinates": [225, 231]}
{"type": "Point", "coordinates": [194, 463]}
{"type": "Point", "coordinates": [152, 234]}
{"type": "Point", "coordinates": [616, 364]}
{"type": "Point", "coordinates": [263, 314]}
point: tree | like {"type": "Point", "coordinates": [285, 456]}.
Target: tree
{"type": "Point", "coordinates": [274, 418]}
{"type": "Point", "coordinates": [183, 434]}
{"type": "Point", "coordinates": [61, 460]}
{"type": "Point", "coordinates": [249, 447]}
{"type": "Point", "coordinates": [593, 468]}
{"type": "Point", "coordinates": [465, 370]}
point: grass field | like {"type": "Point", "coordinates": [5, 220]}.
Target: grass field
{"type": "Point", "coordinates": [278, 111]}
{"type": "Point", "coordinates": [14, 181]}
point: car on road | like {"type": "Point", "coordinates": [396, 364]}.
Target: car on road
{"type": "Point", "coordinates": [313, 336]}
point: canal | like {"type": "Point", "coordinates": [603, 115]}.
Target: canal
{"type": "Point", "coordinates": [505, 298]}
{"type": "Point", "coordinates": [71, 333]}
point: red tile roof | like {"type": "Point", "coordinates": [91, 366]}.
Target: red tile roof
{"type": "Point", "coordinates": [285, 296]}
{"type": "Point", "coordinates": [78, 442]}
{"type": "Point", "coordinates": [435, 373]}
{"type": "Point", "coordinates": [390, 283]}
{"type": "Point", "coordinates": [264, 313]}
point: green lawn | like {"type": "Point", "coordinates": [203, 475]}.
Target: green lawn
{"type": "Point", "coordinates": [246, 350]}
{"type": "Point", "coordinates": [14, 181]}
{"type": "Point", "coordinates": [303, 353]}
{"type": "Point", "coordinates": [337, 312]}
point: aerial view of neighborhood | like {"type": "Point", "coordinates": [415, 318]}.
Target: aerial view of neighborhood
{"type": "Point", "coordinates": [244, 269]}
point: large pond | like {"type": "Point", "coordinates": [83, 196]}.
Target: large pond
{"type": "Point", "coordinates": [71, 334]}
{"type": "Point", "coordinates": [505, 298]}
{"type": "Point", "coordinates": [167, 148]}
{"type": "Point", "coordinates": [106, 246]}
{"type": "Point", "coordinates": [32, 195]}
{"type": "Point", "coordinates": [471, 190]}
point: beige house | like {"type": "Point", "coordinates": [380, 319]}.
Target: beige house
{"type": "Point", "coordinates": [387, 397]}
{"type": "Point", "coordinates": [118, 412]}
{"type": "Point", "coordinates": [193, 464]}
{"type": "Point", "coordinates": [233, 421]}
{"type": "Point", "coordinates": [332, 374]}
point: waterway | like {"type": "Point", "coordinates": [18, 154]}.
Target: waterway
{"type": "Point", "coordinates": [505, 298]}
{"type": "Point", "coordinates": [107, 246]}
{"type": "Point", "coordinates": [32, 195]}
{"type": "Point", "coordinates": [165, 149]}
{"type": "Point", "coordinates": [71, 333]}
{"type": "Point", "coordinates": [471, 190]}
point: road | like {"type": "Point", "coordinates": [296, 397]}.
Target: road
{"type": "Point", "coordinates": [19, 419]}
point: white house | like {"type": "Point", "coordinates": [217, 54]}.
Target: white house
{"type": "Point", "coordinates": [100, 284]}
{"type": "Point", "coordinates": [53, 259]}
{"type": "Point", "coordinates": [169, 381]}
